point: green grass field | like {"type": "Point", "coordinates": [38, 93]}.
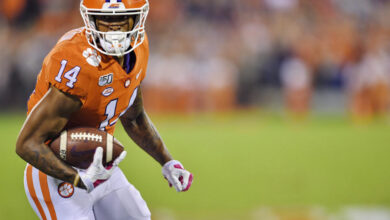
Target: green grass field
{"type": "Point", "coordinates": [242, 162]}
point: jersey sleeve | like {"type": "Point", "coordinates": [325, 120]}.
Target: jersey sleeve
{"type": "Point", "coordinates": [66, 74]}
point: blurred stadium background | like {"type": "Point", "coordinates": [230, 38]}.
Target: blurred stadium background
{"type": "Point", "coordinates": [279, 107]}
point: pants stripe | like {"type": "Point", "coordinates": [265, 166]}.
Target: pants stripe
{"type": "Point", "coordinates": [46, 195]}
{"type": "Point", "coordinates": [31, 189]}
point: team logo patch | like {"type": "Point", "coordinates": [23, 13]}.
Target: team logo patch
{"type": "Point", "coordinates": [65, 190]}
{"type": "Point", "coordinates": [108, 91]}
{"type": "Point", "coordinates": [106, 79]}
{"type": "Point", "coordinates": [92, 57]}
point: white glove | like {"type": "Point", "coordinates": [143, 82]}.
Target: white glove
{"type": "Point", "coordinates": [177, 176]}
{"type": "Point", "coordinates": [96, 172]}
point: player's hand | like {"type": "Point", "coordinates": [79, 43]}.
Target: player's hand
{"type": "Point", "coordinates": [177, 176]}
{"type": "Point", "coordinates": [96, 172]}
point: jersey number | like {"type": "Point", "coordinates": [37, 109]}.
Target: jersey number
{"type": "Point", "coordinates": [71, 75]}
{"type": "Point", "coordinates": [110, 113]}
{"type": "Point", "coordinates": [111, 108]}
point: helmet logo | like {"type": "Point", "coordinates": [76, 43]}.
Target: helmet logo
{"type": "Point", "coordinates": [113, 4]}
{"type": "Point", "coordinates": [92, 57]}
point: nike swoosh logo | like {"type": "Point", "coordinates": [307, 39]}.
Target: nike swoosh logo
{"type": "Point", "coordinates": [138, 74]}
{"type": "Point", "coordinates": [76, 153]}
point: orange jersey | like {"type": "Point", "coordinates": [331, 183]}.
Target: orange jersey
{"type": "Point", "coordinates": [104, 87]}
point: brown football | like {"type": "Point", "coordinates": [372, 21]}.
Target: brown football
{"type": "Point", "coordinates": [77, 146]}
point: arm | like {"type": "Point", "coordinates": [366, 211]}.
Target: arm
{"type": "Point", "coordinates": [45, 121]}
{"type": "Point", "coordinates": [141, 130]}
{"type": "Point", "coordinates": [139, 127]}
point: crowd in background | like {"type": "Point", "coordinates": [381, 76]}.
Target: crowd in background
{"type": "Point", "coordinates": [220, 54]}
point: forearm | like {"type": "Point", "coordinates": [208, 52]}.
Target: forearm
{"type": "Point", "coordinates": [145, 135]}
{"type": "Point", "coordinates": [42, 158]}
{"type": "Point", "coordinates": [46, 120]}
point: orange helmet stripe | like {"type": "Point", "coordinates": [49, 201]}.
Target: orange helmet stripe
{"type": "Point", "coordinates": [129, 4]}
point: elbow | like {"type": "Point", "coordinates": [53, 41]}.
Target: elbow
{"type": "Point", "coordinates": [19, 149]}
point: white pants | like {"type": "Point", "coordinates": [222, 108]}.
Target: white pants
{"type": "Point", "coordinates": [52, 198]}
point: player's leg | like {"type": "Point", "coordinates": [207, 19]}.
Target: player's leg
{"type": "Point", "coordinates": [122, 202]}
{"type": "Point", "coordinates": [35, 204]}
{"type": "Point", "coordinates": [54, 199]}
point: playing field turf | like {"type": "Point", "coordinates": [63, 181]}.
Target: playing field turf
{"type": "Point", "coordinates": [242, 162]}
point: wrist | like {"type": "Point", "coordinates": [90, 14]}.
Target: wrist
{"type": "Point", "coordinates": [170, 162]}
{"type": "Point", "coordinates": [165, 159]}
{"type": "Point", "coordinates": [78, 182]}
{"type": "Point", "coordinates": [171, 165]}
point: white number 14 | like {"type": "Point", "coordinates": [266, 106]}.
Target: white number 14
{"type": "Point", "coordinates": [71, 75]}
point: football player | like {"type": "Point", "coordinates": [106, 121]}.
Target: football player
{"type": "Point", "coordinates": [92, 78]}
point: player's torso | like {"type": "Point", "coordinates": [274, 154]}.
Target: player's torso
{"type": "Point", "coordinates": [102, 84]}
{"type": "Point", "coordinates": [111, 92]}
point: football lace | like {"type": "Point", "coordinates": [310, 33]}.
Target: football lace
{"type": "Point", "coordinates": [86, 136]}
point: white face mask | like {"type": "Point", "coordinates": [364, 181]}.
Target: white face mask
{"type": "Point", "coordinates": [114, 42]}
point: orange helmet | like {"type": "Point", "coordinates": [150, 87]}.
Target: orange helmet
{"type": "Point", "coordinates": [115, 43]}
